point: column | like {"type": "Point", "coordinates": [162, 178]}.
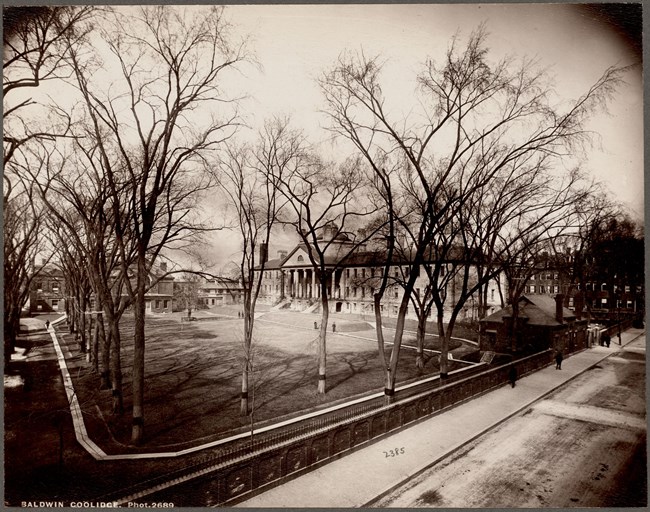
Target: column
{"type": "Point", "coordinates": [301, 284]}
{"type": "Point", "coordinates": [313, 284]}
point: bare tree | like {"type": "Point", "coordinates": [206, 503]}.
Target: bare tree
{"type": "Point", "coordinates": [246, 177]}
{"type": "Point", "coordinates": [154, 127]}
{"type": "Point", "coordinates": [32, 39]}
{"type": "Point", "coordinates": [322, 199]}
{"type": "Point", "coordinates": [480, 119]}
{"type": "Point", "coordinates": [82, 218]}
{"type": "Point", "coordinates": [23, 241]}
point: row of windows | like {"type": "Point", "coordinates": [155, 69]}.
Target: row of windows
{"type": "Point", "coordinates": [590, 287]}
{"type": "Point", "coordinates": [539, 289]}
{"type": "Point", "coordinates": [50, 286]}
{"type": "Point", "coordinates": [603, 303]}
{"type": "Point", "coordinates": [593, 287]}
{"type": "Point", "coordinates": [545, 275]}
{"type": "Point", "coordinates": [349, 272]}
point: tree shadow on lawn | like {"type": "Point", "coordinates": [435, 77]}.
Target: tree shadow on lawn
{"type": "Point", "coordinates": [193, 382]}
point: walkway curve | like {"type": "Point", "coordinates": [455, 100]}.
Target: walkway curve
{"type": "Point", "coordinates": [97, 453]}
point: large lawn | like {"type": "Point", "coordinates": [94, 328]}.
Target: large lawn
{"type": "Point", "coordinates": [193, 375]}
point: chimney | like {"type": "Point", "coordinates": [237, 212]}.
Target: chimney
{"type": "Point", "coordinates": [163, 266]}
{"type": "Point", "coordinates": [559, 299]}
{"type": "Point", "coordinates": [282, 254]}
{"type": "Point", "coordinates": [264, 252]}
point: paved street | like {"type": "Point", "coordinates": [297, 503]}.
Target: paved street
{"type": "Point", "coordinates": [570, 437]}
{"type": "Point", "coordinates": [581, 446]}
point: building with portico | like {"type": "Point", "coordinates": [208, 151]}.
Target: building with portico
{"type": "Point", "coordinates": [353, 275]}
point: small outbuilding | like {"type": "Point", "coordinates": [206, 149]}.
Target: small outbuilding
{"type": "Point", "coordinates": [539, 323]}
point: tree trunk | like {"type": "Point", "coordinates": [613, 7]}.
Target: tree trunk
{"type": "Point", "coordinates": [95, 351]}
{"type": "Point", "coordinates": [322, 339]}
{"type": "Point", "coordinates": [116, 370]}
{"type": "Point", "coordinates": [444, 346]}
{"type": "Point", "coordinates": [249, 317]}
{"type": "Point", "coordinates": [105, 365]}
{"type": "Point", "coordinates": [11, 329]}
{"type": "Point", "coordinates": [243, 405]}
{"type": "Point", "coordinates": [83, 343]}
{"type": "Point", "coordinates": [421, 333]}
{"type": "Point", "coordinates": [137, 430]}
{"type": "Point", "coordinates": [72, 316]}
{"type": "Point", "coordinates": [391, 371]}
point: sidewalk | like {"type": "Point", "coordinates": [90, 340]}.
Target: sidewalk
{"type": "Point", "coordinates": [357, 479]}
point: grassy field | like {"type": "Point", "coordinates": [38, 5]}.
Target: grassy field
{"type": "Point", "coordinates": [193, 375]}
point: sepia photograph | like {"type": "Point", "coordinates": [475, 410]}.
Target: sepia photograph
{"type": "Point", "coordinates": [324, 256]}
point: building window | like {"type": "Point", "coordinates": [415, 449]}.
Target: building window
{"type": "Point", "coordinates": [532, 288]}
{"type": "Point", "coordinates": [347, 272]}
{"type": "Point", "coordinates": [355, 272]}
{"type": "Point", "coordinates": [556, 289]}
{"type": "Point", "coordinates": [532, 278]}
{"type": "Point", "coordinates": [603, 287]}
{"type": "Point", "coordinates": [542, 289]}
{"type": "Point", "coordinates": [300, 258]}
{"type": "Point", "coordinates": [354, 291]}
{"type": "Point", "coordinates": [603, 302]}
{"type": "Point", "coordinates": [627, 288]}
{"type": "Point", "coordinates": [55, 304]}
{"type": "Point", "coordinates": [394, 310]}
{"type": "Point", "coordinates": [363, 272]}
{"type": "Point", "coordinates": [492, 294]}
{"type": "Point", "coordinates": [55, 286]}
{"type": "Point", "coordinates": [157, 304]}
{"type": "Point", "coordinates": [570, 302]}
{"type": "Point", "coordinates": [396, 292]}
{"type": "Point", "coordinates": [165, 304]}
{"type": "Point", "coordinates": [630, 304]}
{"type": "Point", "coordinates": [347, 291]}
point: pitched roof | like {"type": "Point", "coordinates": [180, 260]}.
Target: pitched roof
{"type": "Point", "coordinates": [538, 309]}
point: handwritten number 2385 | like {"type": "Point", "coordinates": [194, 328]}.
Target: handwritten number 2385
{"type": "Point", "coordinates": [395, 452]}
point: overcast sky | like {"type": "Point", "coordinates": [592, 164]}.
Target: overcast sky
{"type": "Point", "coordinates": [294, 44]}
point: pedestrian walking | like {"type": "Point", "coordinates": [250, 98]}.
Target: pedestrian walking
{"type": "Point", "coordinates": [558, 360]}
{"type": "Point", "coordinates": [47, 325]}
{"type": "Point", "coordinates": [607, 339]}
{"type": "Point", "coordinates": [512, 375]}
